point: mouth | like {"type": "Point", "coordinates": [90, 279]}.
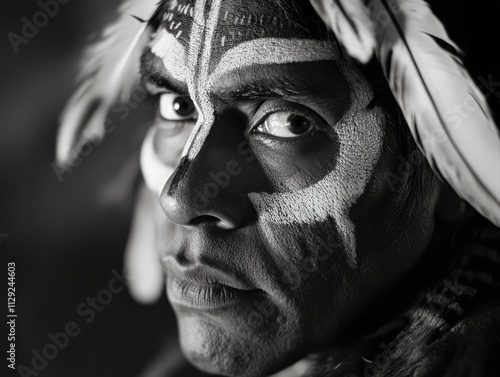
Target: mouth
{"type": "Point", "coordinates": [187, 294]}
{"type": "Point", "coordinates": [205, 288]}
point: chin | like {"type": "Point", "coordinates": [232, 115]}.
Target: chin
{"type": "Point", "coordinates": [216, 346]}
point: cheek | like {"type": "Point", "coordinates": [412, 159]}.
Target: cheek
{"type": "Point", "coordinates": [160, 154]}
{"type": "Point", "coordinates": [154, 170]}
{"type": "Point", "coordinates": [360, 139]}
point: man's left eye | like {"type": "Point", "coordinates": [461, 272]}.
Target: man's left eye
{"type": "Point", "coordinates": [174, 107]}
{"type": "Point", "coordinates": [285, 124]}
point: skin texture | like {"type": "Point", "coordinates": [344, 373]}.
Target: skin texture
{"type": "Point", "coordinates": [309, 222]}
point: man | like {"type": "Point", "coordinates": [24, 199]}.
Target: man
{"type": "Point", "coordinates": [295, 218]}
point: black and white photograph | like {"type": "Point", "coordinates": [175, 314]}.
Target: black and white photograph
{"type": "Point", "coordinates": [250, 188]}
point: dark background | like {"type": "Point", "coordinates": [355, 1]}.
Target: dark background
{"type": "Point", "coordinates": [66, 237]}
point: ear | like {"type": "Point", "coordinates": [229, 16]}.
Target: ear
{"type": "Point", "coordinates": [450, 207]}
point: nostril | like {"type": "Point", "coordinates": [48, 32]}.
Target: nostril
{"type": "Point", "coordinates": [213, 221]}
{"type": "Point", "coordinates": [205, 219]}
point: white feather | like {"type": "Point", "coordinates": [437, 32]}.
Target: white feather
{"type": "Point", "coordinates": [429, 82]}
{"type": "Point", "coordinates": [110, 68]}
{"type": "Point", "coordinates": [350, 21]}
{"type": "Point", "coordinates": [142, 263]}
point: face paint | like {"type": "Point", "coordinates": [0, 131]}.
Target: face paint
{"type": "Point", "coordinates": [290, 201]}
{"type": "Point", "coordinates": [181, 62]}
{"type": "Point", "coordinates": [172, 53]}
{"type": "Point", "coordinates": [281, 208]}
{"type": "Point", "coordinates": [336, 193]}
{"type": "Point", "coordinates": [252, 52]}
{"type": "Point", "coordinates": [271, 51]}
{"type": "Point", "coordinates": [202, 35]}
{"type": "Point", "coordinates": [192, 61]}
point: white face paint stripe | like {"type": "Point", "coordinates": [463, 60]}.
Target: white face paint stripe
{"type": "Point", "coordinates": [172, 53]}
{"type": "Point", "coordinates": [271, 51]}
{"type": "Point", "coordinates": [195, 45]}
{"type": "Point", "coordinates": [201, 95]}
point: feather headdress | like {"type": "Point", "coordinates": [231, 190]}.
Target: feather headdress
{"type": "Point", "coordinates": [350, 21]}
{"type": "Point", "coordinates": [428, 80]}
{"type": "Point", "coordinates": [110, 68]}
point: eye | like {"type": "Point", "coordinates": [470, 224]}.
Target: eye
{"type": "Point", "coordinates": [175, 108]}
{"type": "Point", "coordinates": [285, 124]}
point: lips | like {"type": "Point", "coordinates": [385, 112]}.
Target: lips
{"type": "Point", "coordinates": [205, 288]}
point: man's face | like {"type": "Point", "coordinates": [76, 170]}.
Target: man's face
{"type": "Point", "coordinates": [270, 160]}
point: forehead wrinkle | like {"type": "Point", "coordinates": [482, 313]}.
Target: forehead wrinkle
{"type": "Point", "coordinates": [267, 51]}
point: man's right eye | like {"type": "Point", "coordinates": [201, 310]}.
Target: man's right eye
{"type": "Point", "coordinates": [174, 107]}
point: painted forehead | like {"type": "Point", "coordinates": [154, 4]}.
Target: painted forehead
{"type": "Point", "coordinates": [229, 23]}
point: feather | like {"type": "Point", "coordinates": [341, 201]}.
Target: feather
{"type": "Point", "coordinates": [350, 21]}
{"type": "Point", "coordinates": [109, 70]}
{"type": "Point", "coordinates": [427, 77]}
{"type": "Point", "coordinates": [142, 263]}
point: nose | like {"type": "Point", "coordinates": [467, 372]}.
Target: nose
{"type": "Point", "coordinates": [213, 187]}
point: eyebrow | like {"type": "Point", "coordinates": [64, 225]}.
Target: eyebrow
{"type": "Point", "coordinates": [161, 82]}
{"type": "Point", "coordinates": [153, 73]}
{"type": "Point", "coordinates": [297, 80]}
{"type": "Point", "coordinates": [250, 91]}
{"type": "Point", "coordinates": [269, 89]}
{"type": "Point", "coordinates": [290, 80]}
